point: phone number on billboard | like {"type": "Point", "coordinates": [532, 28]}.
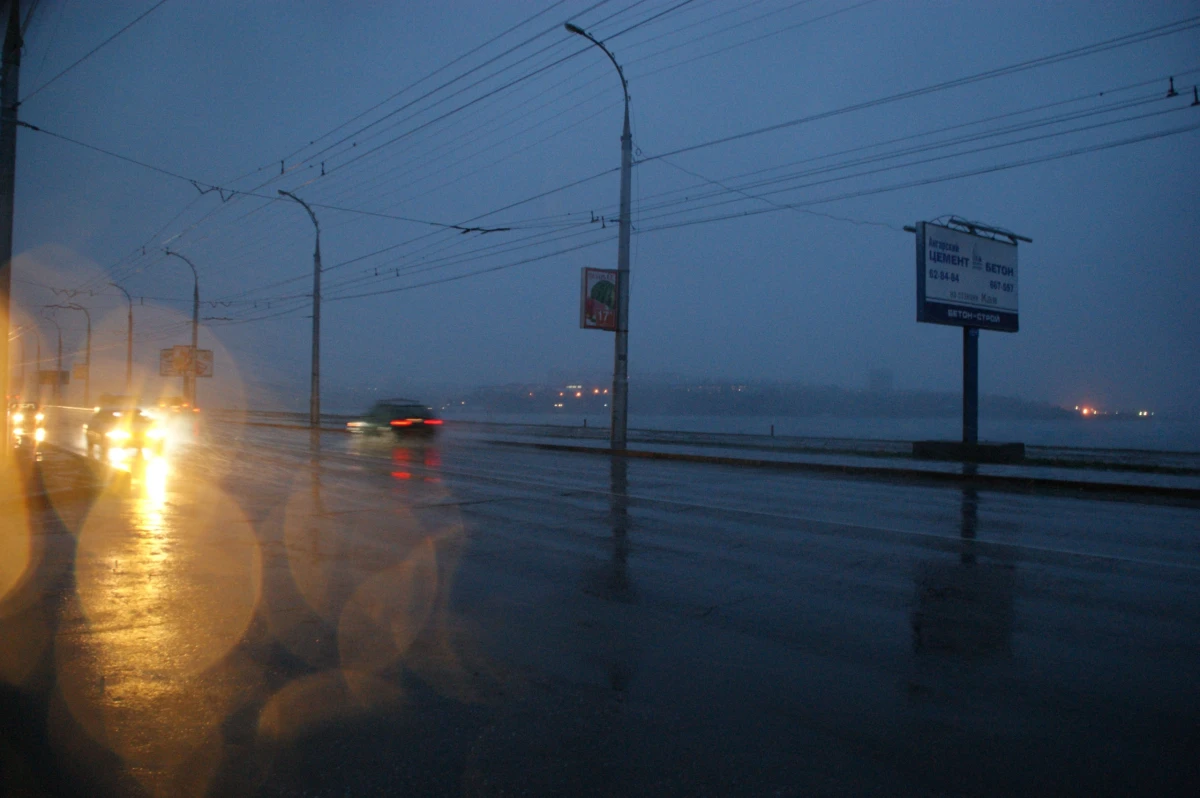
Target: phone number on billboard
{"type": "Point", "coordinates": [934, 274]}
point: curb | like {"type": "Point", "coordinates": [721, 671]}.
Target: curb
{"type": "Point", "coordinates": [1113, 490]}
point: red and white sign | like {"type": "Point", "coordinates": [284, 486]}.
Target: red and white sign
{"type": "Point", "coordinates": [598, 300]}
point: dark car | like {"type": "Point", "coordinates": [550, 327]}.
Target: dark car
{"type": "Point", "coordinates": [123, 428]}
{"type": "Point", "coordinates": [401, 416]}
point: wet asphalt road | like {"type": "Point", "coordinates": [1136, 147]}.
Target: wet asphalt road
{"type": "Point", "coordinates": [251, 615]}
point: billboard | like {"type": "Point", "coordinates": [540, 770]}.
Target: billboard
{"type": "Point", "coordinates": [598, 300]}
{"type": "Point", "coordinates": [965, 280]}
{"type": "Point", "coordinates": [177, 361]}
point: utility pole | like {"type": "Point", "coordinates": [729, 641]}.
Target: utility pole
{"type": "Point", "coordinates": [9, 89]}
{"type": "Point", "coordinates": [189, 379]}
{"type": "Point", "coordinates": [129, 341]}
{"type": "Point", "coordinates": [87, 376]}
{"type": "Point", "coordinates": [314, 394]}
{"type": "Point", "coordinates": [620, 392]}
{"type": "Point", "coordinates": [57, 392]}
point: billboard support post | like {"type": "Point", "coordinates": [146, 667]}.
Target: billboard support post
{"type": "Point", "coordinates": [970, 424]}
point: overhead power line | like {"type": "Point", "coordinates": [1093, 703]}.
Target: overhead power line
{"type": "Point", "coordinates": [1066, 55]}
{"type": "Point", "coordinates": [94, 50]}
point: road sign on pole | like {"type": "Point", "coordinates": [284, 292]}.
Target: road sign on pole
{"type": "Point", "coordinates": [598, 300]}
{"type": "Point", "coordinates": [204, 362]}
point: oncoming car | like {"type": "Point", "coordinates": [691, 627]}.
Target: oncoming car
{"type": "Point", "coordinates": [25, 414]}
{"type": "Point", "coordinates": [27, 422]}
{"type": "Point", "coordinates": [402, 416]}
{"type": "Point", "coordinates": [124, 429]}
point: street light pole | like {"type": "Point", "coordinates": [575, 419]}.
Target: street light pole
{"type": "Point", "coordinates": [57, 377]}
{"type": "Point", "coordinates": [189, 379]}
{"type": "Point", "coordinates": [129, 341]}
{"type": "Point", "coordinates": [87, 379]}
{"type": "Point", "coordinates": [620, 392]}
{"type": "Point", "coordinates": [314, 394]}
{"type": "Point", "coordinates": [19, 334]}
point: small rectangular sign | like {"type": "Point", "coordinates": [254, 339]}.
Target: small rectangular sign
{"type": "Point", "coordinates": [204, 362]}
{"type": "Point", "coordinates": [965, 280]}
{"type": "Point", "coordinates": [598, 300]}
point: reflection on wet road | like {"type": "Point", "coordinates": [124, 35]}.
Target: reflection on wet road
{"type": "Point", "coordinates": [258, 612]}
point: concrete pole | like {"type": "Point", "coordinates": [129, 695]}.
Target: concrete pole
{"type": "Point", "coordinates": [9, 91]}
{"type": "Point", "coordinates": [195, 341]}
{"type": "Point", "coordinates": [87, 378]}
{"type": "Point", "coordinates": [128, 342]}
{"type": "Point", "coordinates": [189, 379]}
{"type": "Point", "coordinates": [620, 391]}
{"type": "Point", "coordinates": [314, 391]}
{"type": "Point", "coordinates": [620, 407]}
{"type": "Point", "coordinates": [57, 391]}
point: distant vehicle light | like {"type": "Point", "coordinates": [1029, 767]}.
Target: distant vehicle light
{"type": "Point", "coordinates": [402, 422]}
{"type": "Point", "coordinates": [116, 413]}
{"type": "Point", "coordinates": [433, 421]}
{"type": "Point", "coordinates": [18, 418]}
{"type": "Point", "coordinates": [354, 423]}
{"type": "Point", "coordinates": [39, 434]}
{"type": "Point", "coordinates": [118, 434]}
{"type": "Point", "coordinates": [39, 417]}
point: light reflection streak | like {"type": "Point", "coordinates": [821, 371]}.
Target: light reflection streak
{"type": "Point", "coordinates": [168, 579]}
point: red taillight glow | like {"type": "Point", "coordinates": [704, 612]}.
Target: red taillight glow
{"type": "Point", "coordinates": [402, 422]}
{"type": "Point", "coordinates": [402, 474]}
{"type": "Point", "coordinates": [434, 421]}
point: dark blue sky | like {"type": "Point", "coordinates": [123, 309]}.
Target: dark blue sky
{"type": "Point", "coordinates": [818, 288]}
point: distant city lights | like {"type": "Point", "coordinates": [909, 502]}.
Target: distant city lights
{"type": "Point", "coordinates": [1087, 411]}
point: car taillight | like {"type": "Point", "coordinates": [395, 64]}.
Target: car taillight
{"type": "Point", "coordinates": [434, 421]}
{"type": "Point", "coordinates": [402, 422]}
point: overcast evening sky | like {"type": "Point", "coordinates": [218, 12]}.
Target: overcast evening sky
{"type": "Point", "coordinates": [800, 284]}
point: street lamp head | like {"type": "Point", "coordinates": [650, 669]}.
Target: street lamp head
{"type": "Point", "coordinates": [575, 29]}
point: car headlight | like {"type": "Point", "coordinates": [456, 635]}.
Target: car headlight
{"type": "Point", "coordinates": [18, 418]}
{"type": "Point", "coordinates": [118, 434]}
{"type": "Point", "coordinates": [40, 417]}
